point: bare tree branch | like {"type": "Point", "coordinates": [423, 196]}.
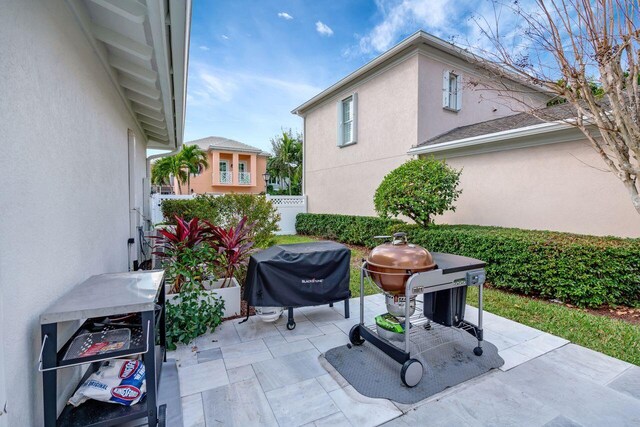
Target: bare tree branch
{"type": "Point", "coordinates": [586, 53]}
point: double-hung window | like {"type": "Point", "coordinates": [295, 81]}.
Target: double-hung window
{"type": "Point", "coordinates": [451, 91]}
{"type": "Point", "coordinates": [347, 122]}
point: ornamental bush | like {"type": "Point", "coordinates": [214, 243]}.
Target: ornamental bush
{"type": "Point", "coordinates": [353, 230]}
{"type": "Point", "coordinates": [588, 271]}
{"type": "Point", "coordinates": [191, 313]}
{"type": "Point", "coordinates": [419, 189]}
{"type": "Point", "coordinates": [227, 211]}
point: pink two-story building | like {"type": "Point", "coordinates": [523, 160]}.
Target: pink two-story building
{"type": "Point", "coordinates": [234, 167]}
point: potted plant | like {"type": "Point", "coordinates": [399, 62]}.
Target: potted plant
{"type": "Point", "coordinates": [233, 247]}
{"type": "Point", "coordinates": [186, 256]}
{"type": "Point", "coordinates": [206, 257]}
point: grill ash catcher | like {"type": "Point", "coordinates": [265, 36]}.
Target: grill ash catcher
{"type": "Point", "coordinates": [404, 271]}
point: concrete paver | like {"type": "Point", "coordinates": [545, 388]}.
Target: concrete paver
{"type": "Point", "coordinates": [263, 374]}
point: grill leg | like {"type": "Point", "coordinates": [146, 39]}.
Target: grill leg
{"type": "Point", "coordinates": [346, 308]}
{"type": "Point", "coordinates": [291, 324]}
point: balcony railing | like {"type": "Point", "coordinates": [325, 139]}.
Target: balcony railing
{"type": "Point", "coordinates": [226, 177]}
{"type": "Point", "coordinates": [244, 178]}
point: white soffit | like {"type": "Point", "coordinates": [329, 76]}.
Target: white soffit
{"type": "Point", "coordinates": [143, 45]}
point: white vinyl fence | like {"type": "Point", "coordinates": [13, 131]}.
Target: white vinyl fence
{"type": "Point", "coordinates": [288, 207]}
{"type": "Point", "coordinates": [156, 202]}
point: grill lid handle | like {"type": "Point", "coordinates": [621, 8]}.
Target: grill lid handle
{"type": "Point", "coordinates": [400, 238]}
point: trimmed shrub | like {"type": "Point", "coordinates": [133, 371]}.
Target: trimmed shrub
{"type": "Point", "coordinates": [227, 210]}
{"type": "Point", "coordinates": [587, 271]}
{"type": "Point", "coordinates": [353, 230]}
{"type": "Point", "coordinates": [418, 189]}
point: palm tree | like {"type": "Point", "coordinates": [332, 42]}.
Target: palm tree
{"type": "Point", "coordinates": [194, 159]}
{"type": "Point", "coordinates": [166, 167]}
{"type": "Point", "coordinates": [287, 158]}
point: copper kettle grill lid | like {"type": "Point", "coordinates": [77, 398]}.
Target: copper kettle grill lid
{"type": "Point", "coordinates": [399, 254]}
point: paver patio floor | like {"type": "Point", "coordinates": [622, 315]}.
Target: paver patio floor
{"type": "Point", "coordinates": [261, 374]}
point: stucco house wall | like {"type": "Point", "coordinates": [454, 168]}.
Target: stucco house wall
{"type": "Point", "coordinates": [563, 186]}
{"type": "Point", "coordinates": [398, 107]}
{"type": "Point", "coordinates": [343, 179]}
{"type": "Point", "coordinates": [478, 103]}
{"type": "Point", "coordinates": [65, 208]}
{"type": "Point", "coordinates": [203, 183]}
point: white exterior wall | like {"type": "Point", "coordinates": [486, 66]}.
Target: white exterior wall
{"type": "Point", "coordinates": [64, 205]}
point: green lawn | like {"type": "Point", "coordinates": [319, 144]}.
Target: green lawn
{"type": "Point", "coordinates": [610, 336]}
{"type": "Point", "coordinates": [614, 337]}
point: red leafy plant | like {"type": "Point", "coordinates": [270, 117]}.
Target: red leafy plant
{"type": "Point", "coordinates": [185, 234]}
{"type": "Point", "coordinates": [234, 246]}
{"type": "Point", "coordinates": [186, 253]}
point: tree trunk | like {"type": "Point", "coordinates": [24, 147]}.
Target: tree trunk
{"type": "Point", "coordinates": [633, 193]}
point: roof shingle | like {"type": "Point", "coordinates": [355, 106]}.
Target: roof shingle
{"type": "Point", "coordinates": [220, 143]}
{"type": "Point", "coordinates": [516, 121]}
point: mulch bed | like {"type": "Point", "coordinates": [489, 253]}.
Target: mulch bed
{"type": "Point", "coordinates": [628, 314]}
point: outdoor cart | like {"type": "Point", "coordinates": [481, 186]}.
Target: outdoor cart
{"type": "Point", "coordinates": [443, 292]}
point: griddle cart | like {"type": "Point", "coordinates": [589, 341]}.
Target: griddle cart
{"type": "Point", "coordinates": [140, 296]}
{"type": "Point", "coordinates": [299, 275]}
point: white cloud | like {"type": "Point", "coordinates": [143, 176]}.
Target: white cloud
{"type": "Point", "coordinates": [214, 86]}
{"type": "Point", "coordinates": [285, 15]}
{"type": "Point", "coordinates": [400, 17]}
{"type": "Point", "coordinates": [225, 37]}
{"type": "Point", "coordinates": [323, 29]}
{"type": "Point", "coordinates": [205, 48]}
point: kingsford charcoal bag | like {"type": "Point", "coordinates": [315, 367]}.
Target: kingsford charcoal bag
{"type": "Point", "coordinates": [119, 381]}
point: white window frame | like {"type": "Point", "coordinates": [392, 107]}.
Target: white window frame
{"type": "Point", "coordinates": [242, 166]}
{"type": "Point", "coordinates": [451, 94]}
{"type": "Point", "coordinates": [353, 120]}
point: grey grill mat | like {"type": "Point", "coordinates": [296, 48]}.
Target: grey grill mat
{"type": "Point", "coordinates": [374, 374]}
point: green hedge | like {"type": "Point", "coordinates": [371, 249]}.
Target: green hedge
{"type": "Point", "coordinates": [583, 270]}
{"type": "Point", "coordinates": [353, 230]}
{"type": "Point", "coordinates": [227, 210]}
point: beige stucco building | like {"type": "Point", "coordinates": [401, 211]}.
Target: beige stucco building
{"type": "Point", "coordinates": [426, 97]}
{"type": "Point", "coordinates": [234, 167]}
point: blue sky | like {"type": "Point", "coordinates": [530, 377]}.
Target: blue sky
{"type": "Point", "coordinates": [252, 62]}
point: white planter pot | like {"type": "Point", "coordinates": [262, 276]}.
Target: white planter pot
{"type": "Point", "coordinates": [231, 294]}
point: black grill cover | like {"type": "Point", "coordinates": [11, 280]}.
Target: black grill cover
{"type": "Point", "coordinates": [298, 275]}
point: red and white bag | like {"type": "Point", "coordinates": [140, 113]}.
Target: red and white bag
{"type": "Point", "coordinates": [120, 381]}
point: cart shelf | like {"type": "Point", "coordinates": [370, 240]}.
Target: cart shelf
{"type": "Point", "coordinates": [97, 300]}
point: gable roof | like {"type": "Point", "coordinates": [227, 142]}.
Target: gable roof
{"type": "Point", "coordinates": [504, 124]}
{"type": "Point", "coordinates": [219, 143]}
{"type": "Point", "coordinates": [544, 126]}
{"type": "Point", "coordinates": [414, 41]}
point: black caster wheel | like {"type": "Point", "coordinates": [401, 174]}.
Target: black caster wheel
{"type": "Point", "coordinates": [411, 372]}
{"type": "Point", "coordinates": [291, 326]}
{"type": "Point", "coordinates": [477, 351]}
{"type": "Point", "coordinates": [354, 335]}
